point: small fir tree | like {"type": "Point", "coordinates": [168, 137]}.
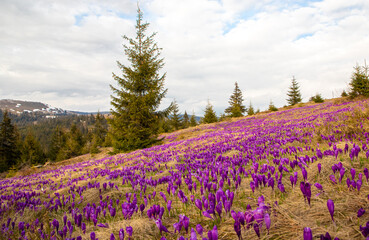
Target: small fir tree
{"type": "Point", "coordinates": [272, 107]}
{"type": "Point", "coordinates": [57, 143]}
{"type": "Point", "coordinates": [139, 93]}
{"type": "Point", "coordinates": [359, 85]}
{"type": "Point", "coordinates": [236, 108]}
{"type": "Point", "coordinates": [317, 98]}
{"type": "Point", "coordinates": [193, 121]}
{"type": "Point", "coordinates": [209, 116]}
{"type": "Point", "coordinates": [250, 110]}
{"type": "Point", "coordinates": [73, 145]}
{"type": "Point", "coordinates": [185, 120]}
{"type": "Point", "coordinates": [175, 118]}
{"type": "Point", "coordinates": [100, 130]}
{"type": "Point", "coordinates": [32, 152]}
{"type": "Point", "coordinates": [344, 94]}
{"type": "Point", "coordinates": [223, 117]}
{"type": "Point", "coordinates": [9, 144]}
{"type": "Point", "coordinates": [294, 95]}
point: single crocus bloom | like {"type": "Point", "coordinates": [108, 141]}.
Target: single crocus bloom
{"type": "Point", "coordinates": [267, 221]}
{"type": "Point", "coordinates": [193, 235]}
{"type": "Point", "coordinates": [330, 205]}
{"type": "Point", "coordinates": [199, 229]}
{"type": "Point", "coordinates": [121, 234]}
{"type": "Point", "coordinates": [129, 230]}
{"type": "Point", "coordinates": [360, 212]}
{"type": "Point", "coordinates": [308, 234]}
{"type": "Point", "coordinates": [92, 235]}
{"type": "Point", "coordinates": [353, 173]}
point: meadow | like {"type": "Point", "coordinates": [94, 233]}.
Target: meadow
{"type": "Point", "coordinates": [298, 173]}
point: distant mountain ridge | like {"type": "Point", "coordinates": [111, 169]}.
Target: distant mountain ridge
{"type": "Point", "coordinates": [20, 106]}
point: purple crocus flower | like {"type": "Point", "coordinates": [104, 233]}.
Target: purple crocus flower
{"type": "Point", "coordinates": [342, 173]}
{"type": "Point", "coordinates": [213, 234]}
{"type": "Point", "coordinates": [198, 204]}
{"type": "Point", "coordinates": [333, 179]}
{"type": "Point", "coordinates": [193, 235]}
{"type": "Point", "coordinates": [121, 234]}
{"type": "Point", "coordinates": [360, 212]}
{"type": "Point", "coordinates": [308, 234]}
{"type": "Point", "coordinates": [267, 221]}
{"type": "Point", "coordinates": [103, 225]}
{"type": "Point", "coordinates": [83, 227]}
{"type": "Point", "coordinates": [129, 231]}
{"type": "Point", "coordinates": [237, 229]}
{"type": "Point", "coordinates": [366, 173]}
{"type": "Point", "coordinates": [93, 236]}
{"type": "Point", "coordinates": [365, 230]}
{"type": "Point", "coordinates": [325, 237]}
{"type": "Point", "coordinates": [112, 237]}
{"type": "Point", "coordinates": [206, 214]}
{"type": "Point", "coordinates": [353, 173]}
{"type": "Point", "coordinates": [21, 225]}
{"type": "Point", "coordinates": [256, 229]}
{"type": "Point", "coordinates": [199, 229]}
{"type": "Point", "coordinates": [169, 205]}
{"type": "Point", "coordinates": [330, 205]}
{"type": "Point", "coordinates": [219, 208]}
{"type": "Point", "coordinates": [160, 225]}
{"type": "Point", "coordinates": [318, 186]}
{"type": "Point", "coordinates": [319, 167]}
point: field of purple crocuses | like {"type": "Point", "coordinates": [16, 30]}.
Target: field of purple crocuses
{"type": "Point", "coordinates": [298, 173]}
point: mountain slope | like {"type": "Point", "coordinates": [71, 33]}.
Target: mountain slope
{"type": "Point", "coordinates": [246, 177]}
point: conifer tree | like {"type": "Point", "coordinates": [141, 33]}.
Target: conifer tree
{"type": "Point", "coordinates": [57, 143]}
{"type": "Point", "coordinates": [294, 95]}
{"type": "Point", "coordinates": [185, 120]}
{"type": "Point", "coordinates": [236, 108]}
{"type": "Point", "coordinates": [9, 144]}
{"type": "Point", "coordinates": [250, 110]}
{"type": "Point", "coordinates": [209, 116]}
{"type": "Point", "coordinates": [100, 129]}
{"type": "Point", "coordinates": [138, 95]}
{"type": "Point", "coordinates": [175, 118]}
{"type": "Point", "coordinates": [193, 121]}
{"type": "Point", "coordinates": [32, 152]}
{"type": "Point", "coordinates": [272, 107]}
{"type": "Point", "coordinates": [359, 85]}
{"type": "Point", "coordinates": [73, 144]}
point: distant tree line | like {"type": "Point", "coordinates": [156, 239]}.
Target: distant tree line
{"type": "Point", "coordinates": [32, 140]}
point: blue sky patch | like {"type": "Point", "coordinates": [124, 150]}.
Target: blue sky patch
{"type": "Point", "coordinates": [78, 18]}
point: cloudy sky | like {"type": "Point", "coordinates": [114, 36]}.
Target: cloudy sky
{"type": "Point", "coordinates": [64, 52]}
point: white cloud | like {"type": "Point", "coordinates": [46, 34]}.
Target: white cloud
{"type": "Point", "coordinates": [63, 52]}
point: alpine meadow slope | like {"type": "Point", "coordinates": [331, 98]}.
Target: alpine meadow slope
{"type": "Point", "coordinates": [297, 173]}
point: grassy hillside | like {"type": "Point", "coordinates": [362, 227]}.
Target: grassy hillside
{"type": "Point", "coordinates": [269, 175]}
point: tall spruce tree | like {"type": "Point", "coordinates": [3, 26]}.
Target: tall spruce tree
{"type": "Point", "coordinates": [175, 118]}
{"type": "Point", "coordinates": [209, 116]}
{"type": "Point", "coordinates": [236, 108]}
{"type": "Point", "coordinates": [294, 95]}
{"type": "Point", "coordinates": [141, 88]}
{"type": "Point", "coordinates": [359, 85]}
{"type": "Point", "coordinates": [9, 144]}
